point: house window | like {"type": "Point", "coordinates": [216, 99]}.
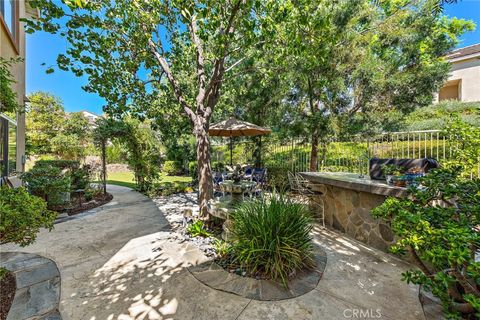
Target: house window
{"type": "Point", "coordinates": [8, 10]}
{"type": "Point", "coordinates": [450, 91]}
{"type": "Point", "coordinates": [8, 146]}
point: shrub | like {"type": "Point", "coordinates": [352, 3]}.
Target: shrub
{"type": "Point", "coordinates": [116, 153]}
{"type": "Point", "coordinates": [437, 116]}
{"type": "Point", "coordinates": [218, 166]}
{"type": "Point", "coordinates": [193, 170]}
{"type": "Point", "coordinates": [45, 157]}
{"type": "Point", "coordinates": [91, 193]}
{"type": "Point", "coordinates": [197, 229]}
{"type": "Point", "coordinates": [171, 168]}
{"type": "Point", "coordinates": [81, 177]}
{"type": "Point", "coordinates": [222, 248]}
{"type": "Point", "coordinates": [22, 215]}
{"type": "Point", "coordinates": [48, 183]}
{"type": "Point", "coordinates": [169, 188]}
{"type": "Point", "coordinates": [277, 175]}
{"type": "Point", "coordinates": [61, 164]}
{"type": "Point", "coordinates": [3, 272]}
{"type": "Point", "coordinates": [272, 237]}
{"type": "Point", "coordinates": [465, 152]}
{"type": "Point", "coordinates": [437, 225]}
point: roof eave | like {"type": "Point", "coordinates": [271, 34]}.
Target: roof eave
{"type": "Point", "coordinates": [466, 57]}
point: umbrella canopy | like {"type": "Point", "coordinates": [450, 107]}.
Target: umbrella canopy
{"type": "Point", "coordinates": [236, 128]}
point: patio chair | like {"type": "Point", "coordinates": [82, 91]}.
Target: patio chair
{"type": "Point", "coordinates": [259, 176]}
{"type": "Point", "coordinates": [225, 176]}
{"type": "Point", "coordinates": [217, 179]}
{"type": "Point", "coordinates": [293, 182]}
{"type": "Point", "coordinates": [317, 197]}
{"type": "Point", "coordinates": [248, 173]}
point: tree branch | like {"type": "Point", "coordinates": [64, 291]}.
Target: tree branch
{"type": "Point", "coordinates": [192, 26]}
{"type": "Point", "coordinates": [234, 64]}
{"type": "Point", "coordinates": [215, 81]}
{"type": "Point", "coordinates": [419, 262]}
{"type": "Point", "coordinates": [469, 288]}
{"type": "Point", "coordinates": [173, 82]}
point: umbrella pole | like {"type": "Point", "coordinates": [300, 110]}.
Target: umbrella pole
{"type": "Point", "coordinates": [260, 153]}
{"type": "Point", "coordinates": [231, 151]}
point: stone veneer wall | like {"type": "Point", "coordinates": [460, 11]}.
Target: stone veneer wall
{"type": "Point", "coordinates": [350, 212]}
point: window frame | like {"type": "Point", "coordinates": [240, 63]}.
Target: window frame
{"type": "Point", "coordinates": [5, 170]}
{"type": "Point", "coordinates": [13, 37]}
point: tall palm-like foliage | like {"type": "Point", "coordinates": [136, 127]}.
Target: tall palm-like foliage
{"type": "Point", "coordinates": [272, 237]}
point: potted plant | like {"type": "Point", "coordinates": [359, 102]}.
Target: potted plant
{"type": "Point", "coordinates": [237, 174]}
{"type": "Point", "coordinates": [413, 174]}
{"type": "Point", "coordinates": [391, 171]}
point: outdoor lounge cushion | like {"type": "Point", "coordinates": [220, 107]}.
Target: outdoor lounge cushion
{"type": "Point", "coordinates": [375, 165]}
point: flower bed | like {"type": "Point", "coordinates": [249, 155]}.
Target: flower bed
{"type": "Point", "coordinates": [7, 292]}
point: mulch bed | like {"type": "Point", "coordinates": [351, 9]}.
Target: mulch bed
{"type": "Point", "coordinates": [88, 205]}
{"type": "Point", "coordinates": [7, 293]}
{"type": "Point", "coordinates": [232, 267]}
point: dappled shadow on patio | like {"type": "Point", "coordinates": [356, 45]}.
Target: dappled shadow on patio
{"type": "Point", "coordinates": [147, 279]}
{"type": "Point", "coordinates": [366, 277]}
{"type": "Point", "coordinates": [139, 280]}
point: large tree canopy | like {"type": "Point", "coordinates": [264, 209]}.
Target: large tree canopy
{"type": "Point", "coordinates": [131, 49]}
{"type": "Point", "coordinates": [50, 130]}
{"type": "Point", "coordinates": [351, 63]}
{"type": "Point", "coordinates": [160, 59]}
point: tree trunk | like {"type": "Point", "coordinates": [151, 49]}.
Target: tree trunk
{"type": "Point", "coordinates": [104, 166]}
{"type": "Point", "coordinates": [323, 158]}
{"type": "Point", "coordinates": [205, 181]}
{"type": "Point", "coordinates": [314, 147]}
{"type": "Point", "coordinates": [314, 151]}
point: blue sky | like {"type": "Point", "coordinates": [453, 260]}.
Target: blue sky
{"type": "Point", "coordinates": [43, 48]}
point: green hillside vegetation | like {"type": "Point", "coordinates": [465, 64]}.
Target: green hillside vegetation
{"type": "Point", "coordinates": [435, 116]}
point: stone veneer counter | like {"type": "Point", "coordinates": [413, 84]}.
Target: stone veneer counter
{"type": "Point", "coordinates": [353, 181]}
{"type": "Point", "coordinates": [348, 201]}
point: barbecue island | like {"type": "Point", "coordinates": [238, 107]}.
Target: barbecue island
{"type": "Point", "coordinates": [348, 199]}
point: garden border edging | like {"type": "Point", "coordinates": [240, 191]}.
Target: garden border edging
{"type": "Point", "coordinates": [216, 277]}
{"type": "Point", "coordinates": [38, 286]}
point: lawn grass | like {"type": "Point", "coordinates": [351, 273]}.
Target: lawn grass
{"type": "Point", "coordinates": [125, 179]}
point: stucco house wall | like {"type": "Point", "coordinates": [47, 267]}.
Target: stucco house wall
{"type": "Point", "coordinates": [463, 84]}
{"type": "Point", "coordinates": [16, 47]}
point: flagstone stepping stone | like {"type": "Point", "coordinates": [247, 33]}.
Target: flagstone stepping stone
{"type": "Point", "coordinates": [214, 276]}
{"type": "Point", "coordinates": [38, 286]}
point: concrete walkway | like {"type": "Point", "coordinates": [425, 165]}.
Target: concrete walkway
{"type": "Point", "coordinates": [120, 262]}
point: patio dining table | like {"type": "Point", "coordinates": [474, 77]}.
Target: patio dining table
{"type": "Point", "coordinates": [237, 189]}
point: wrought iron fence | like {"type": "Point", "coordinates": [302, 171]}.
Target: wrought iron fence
{"type": "Point", "coordinates": [347, 156]}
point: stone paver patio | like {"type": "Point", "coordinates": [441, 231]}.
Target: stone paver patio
{"type": "Point", "coordinates": [121, 262]}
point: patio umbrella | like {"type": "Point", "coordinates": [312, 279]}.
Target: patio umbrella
{"type": "Point", "coordinates": [236, 128]}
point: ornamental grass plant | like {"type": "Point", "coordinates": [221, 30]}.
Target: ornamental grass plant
{"type": "Point", "coordinates": [272, 238]}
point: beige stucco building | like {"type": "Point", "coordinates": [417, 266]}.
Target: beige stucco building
{"type": "Point", "coordinates": [463, 83]}
{"type": "Point", "coordinates": [12, 44]}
